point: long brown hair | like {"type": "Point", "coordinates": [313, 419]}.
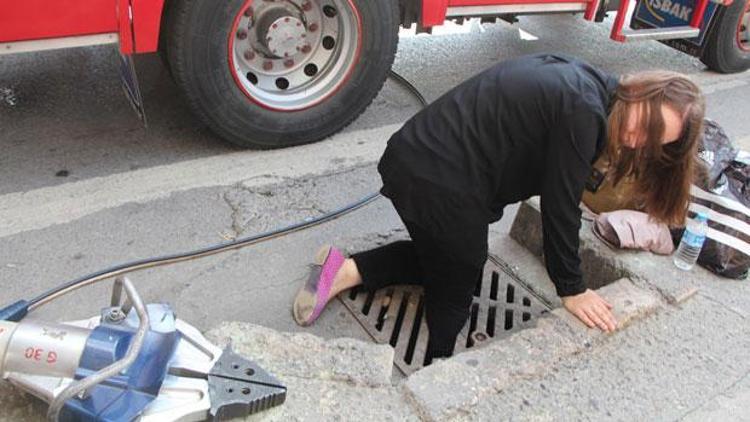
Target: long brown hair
{"type": "Point", "coordinates": [661, 173]}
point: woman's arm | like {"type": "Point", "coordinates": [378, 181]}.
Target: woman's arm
{"type": "Point", "coordinates": [571, 150]}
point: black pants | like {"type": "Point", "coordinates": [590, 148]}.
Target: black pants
{"type": "Point", "coordinates": [448, 265]}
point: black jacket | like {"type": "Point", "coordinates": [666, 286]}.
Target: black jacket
{"type": "Point", "coordinates": [525, 127]}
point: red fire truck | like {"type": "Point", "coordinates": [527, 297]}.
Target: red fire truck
{"type": "Point", "coordinates": [273, 73]}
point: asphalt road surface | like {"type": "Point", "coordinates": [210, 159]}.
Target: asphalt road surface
{"type": "Point", "coordinates": [84, 186]}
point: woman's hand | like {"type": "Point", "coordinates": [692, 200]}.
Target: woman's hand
{"type": "Point", "coordinates": [592, 310]}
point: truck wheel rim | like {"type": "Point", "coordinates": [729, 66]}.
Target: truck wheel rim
{"type": "Point", "coordinates": [290, 55]}
{"type": "Point", "coordinates": [743, 29]}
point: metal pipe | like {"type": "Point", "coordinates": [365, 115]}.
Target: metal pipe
{"type": "Point", "coordinates": [134, 349]}
{"type": "Point", "coordinates": [37, 348]}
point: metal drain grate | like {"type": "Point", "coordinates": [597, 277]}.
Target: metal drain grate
{"type": "Point", "coordinates": [395, 315]}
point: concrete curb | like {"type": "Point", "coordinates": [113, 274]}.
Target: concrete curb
{"type": "Point", "coordinates": [302, 355]}
{"type": "Point", "coordinates": [318, 400]}
{"type": "Point", "coordinates": [351, 379]}
{"type": "Point", "coordinates": [445, 389]}
{"type": "Point", "coordinates": [602, 265]}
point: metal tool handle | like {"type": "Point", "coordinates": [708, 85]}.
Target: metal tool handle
{"type": "Point", "coordinates": [134, 349]}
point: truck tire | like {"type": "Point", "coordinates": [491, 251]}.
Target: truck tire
{"type": "Point", "coordinates": [728, 48]}
{"type": "Point", "coordinates": [276, 73]}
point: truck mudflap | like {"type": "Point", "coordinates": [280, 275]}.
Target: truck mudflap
{"type": "Point", "coordinates": [670, 13]}
{"type": "Point", "coordinates": [130, 86]}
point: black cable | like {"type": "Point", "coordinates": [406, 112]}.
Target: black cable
{"type": "Point", "coordinates": [408, 85]}
{"type": "Point", "coordinates": [214, 249]}
{"type": "Point", "coordinates": [199, 253]}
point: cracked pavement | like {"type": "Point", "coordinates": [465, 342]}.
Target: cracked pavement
{"type": "Point", "coordinates": [255, 208]}
{"type": "Point", "coordinates": [255, 284]}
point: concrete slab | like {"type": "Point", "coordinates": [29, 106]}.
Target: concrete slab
{"type": "Point", "coordinates": [446, 389]}
{"type": "Point", "coordinates": [629, 303]}
{"type": "Point", "coordinates": [316, 400]}
{"type": "Point", "coordinates": [303, 355]}
{"type": "Point", "coordinates": [730, 405]}
{"type": "Point", "coordinates": [671, 364]}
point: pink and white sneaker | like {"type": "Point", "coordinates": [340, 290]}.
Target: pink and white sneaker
{"type": "Point", "coordinates": [314, 294]}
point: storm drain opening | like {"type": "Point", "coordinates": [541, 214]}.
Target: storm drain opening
{"type": "Point", "coordinates": [396, 315]}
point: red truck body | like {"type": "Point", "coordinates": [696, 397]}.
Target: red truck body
{"type": "Point", "coordinates": [44, 19]}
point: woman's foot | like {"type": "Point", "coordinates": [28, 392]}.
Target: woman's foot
{"type": "Point", "coordinates": [330, 275]}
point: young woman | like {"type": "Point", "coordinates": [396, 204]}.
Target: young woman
{"type": "Point", "coordinates": [525, 127]}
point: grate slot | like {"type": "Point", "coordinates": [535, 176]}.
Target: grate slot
{"type": "Point", "coordinates": [399, 319]}
{"type": "Point", "coordinates": [494, 285]}
{"type": "Point", "coordinates": [473, 319]}
{"type": "Point", "coordinates": [353, 293]}
{"type": "Point", "coordinates": [385, 306]}
{"type": "Point", "coordinates": [478, 286]}
{"type": "Point", "coordinates": [508, 319]}
{"type": "Point", "coordinates": [491, 321]}
{"type": "Point", "coordinates": [368, 303]}
{"type": "Point", "coordinates": [415, 331]}
{"type": "Point", "coordinates": [412, 304]}
{"type": "Point", "coordinates": [510, 294]}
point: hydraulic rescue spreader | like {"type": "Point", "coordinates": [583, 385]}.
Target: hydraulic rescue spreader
{"type": "Point", "coordinates": [133, 362]}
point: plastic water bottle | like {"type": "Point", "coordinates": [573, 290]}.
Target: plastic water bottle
{"type": "Point", "coordinates": [692, 242]}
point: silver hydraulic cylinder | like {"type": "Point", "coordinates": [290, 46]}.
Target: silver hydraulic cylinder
{"type": "Point", "coordinates": [37, 348]}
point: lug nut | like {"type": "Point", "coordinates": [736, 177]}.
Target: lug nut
{"type": "Point", "coordinates": [242, 34]}
{"type": "Point", "coordinates": [249, 55]}
{"type": "Point", "coordinates": [307, 6]}
{"type": "Point", "coordinates": [313, 27]}
{"type": "Point", "coordinates": [267, 65]}
{"type": "Point", "coordinates": [306, 49]}
{"type": "Point", "coordinates": [288, 63]}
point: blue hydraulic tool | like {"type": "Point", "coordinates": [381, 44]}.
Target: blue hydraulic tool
{"type": "Point", "coordinates": [133, 362]}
